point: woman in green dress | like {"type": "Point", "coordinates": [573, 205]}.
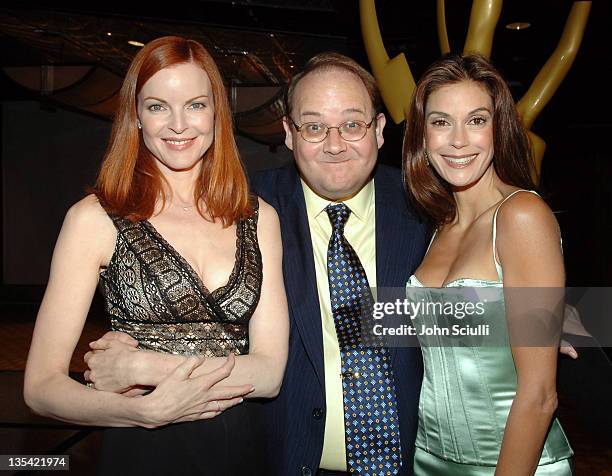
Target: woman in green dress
{"type": "Point", "coordinates": [484, 410]}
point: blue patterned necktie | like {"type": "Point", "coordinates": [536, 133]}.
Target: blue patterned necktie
{"type": "Point", "coordinates": [370, 410]}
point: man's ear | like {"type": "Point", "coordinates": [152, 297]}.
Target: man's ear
{"type": "Point", "coordinates": [381, 120]}
{"type": "Point", "coordinates": [288, 133]}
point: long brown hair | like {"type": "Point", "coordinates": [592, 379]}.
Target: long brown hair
{"type": "Point", "coordinates": [429, 192]}
{"type": "Point", "coordinates": [130, 182]}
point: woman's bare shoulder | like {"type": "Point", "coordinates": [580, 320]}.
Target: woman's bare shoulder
{"type": "Point", "coordinates": [526, 227]}
{"type": "Point", "coordinates": [523, 211]}
{"type": "Point", "coordinates": [268, 227]}
{"type": "Point", "coordinates": [267, 213]}
{"type": "Point", "coordinates": [87, 216]}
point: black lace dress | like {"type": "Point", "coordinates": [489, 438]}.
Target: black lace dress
{"type": "Point", "coordinates": [153, 294]}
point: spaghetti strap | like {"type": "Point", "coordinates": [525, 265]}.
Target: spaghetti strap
{"type": "Point", "coordinates": [498, 267]}
{"type": "Point", "coordinates": [431, 241]}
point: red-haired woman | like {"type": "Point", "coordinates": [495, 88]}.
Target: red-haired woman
{"type": "Point", "coordinates": [485, 409]}
{"type": "Point", "coordinates": [190, 267]}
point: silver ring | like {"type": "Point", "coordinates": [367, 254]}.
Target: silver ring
{"type": "Point", "coordinates": [90, 384]}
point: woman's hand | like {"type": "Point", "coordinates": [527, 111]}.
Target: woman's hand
{"type": "Point", "coordinates": [181, 397]}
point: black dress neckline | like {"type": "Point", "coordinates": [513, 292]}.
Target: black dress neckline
{"type": "Point", "coordinates": [217, 293]}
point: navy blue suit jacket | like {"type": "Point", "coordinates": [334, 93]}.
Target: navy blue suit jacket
{"type": "Point", "coordinates": [294, 421]}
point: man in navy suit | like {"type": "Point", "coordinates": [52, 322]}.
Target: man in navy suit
{"type": "Point", "coordinates": [328, 106]}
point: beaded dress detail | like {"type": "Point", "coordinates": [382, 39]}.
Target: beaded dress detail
{"type": "Point", "coordinates": [152, 293]}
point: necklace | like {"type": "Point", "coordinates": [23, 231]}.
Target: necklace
{"type": "Point", "coordinates": [185, 208]}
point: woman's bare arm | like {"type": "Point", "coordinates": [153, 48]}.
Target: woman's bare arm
{"type": "Point", "coordinates": [85, 243]}
{"type": "Point", "coordinates": [529, 249]}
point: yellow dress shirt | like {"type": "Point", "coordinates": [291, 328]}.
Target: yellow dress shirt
{"type": "Point", "coordinates": [360, 231]}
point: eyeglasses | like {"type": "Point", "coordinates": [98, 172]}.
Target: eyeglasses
{"type": "Point", "coordinates": [351, 131]}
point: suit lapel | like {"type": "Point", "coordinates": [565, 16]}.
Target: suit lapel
{"type": "Point", "coordinates": [396, 232]}
{"type": "Point", "coordinates": [299, 271]}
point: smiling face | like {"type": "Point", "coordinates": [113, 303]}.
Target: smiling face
{"type": "Point", "coordinates": [459, 133]}
{"type": "Point", "coordinates": [334, 168]}
{"type": "Point", "coordinates": [176, 110]}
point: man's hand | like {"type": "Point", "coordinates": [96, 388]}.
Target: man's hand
{"type": "Point", "coordinates": [572, 324]}
{"type": "Point", "coordinates": [568, 349]}
{"type": "Point", "coordinates": [112, 363]}
{"type": "Point", "coordinates": [115, 335]}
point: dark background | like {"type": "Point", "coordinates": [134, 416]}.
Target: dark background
{"type": "Point", "coordinates": [51, 145]}
{"type": "Point", "coordinates": [52, 140]}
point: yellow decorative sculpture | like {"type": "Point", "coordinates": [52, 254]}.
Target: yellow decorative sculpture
{"type": "Point", "coordinates": [397, 85]}
{"type": "Point", "coordinates": [394, 77]}
{"type": "Point", "coordinates": [483, 20]}
{"type": "Point", "coordinates": [442, 34]}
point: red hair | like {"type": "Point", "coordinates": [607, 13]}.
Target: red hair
{"type": "Point", "coordinates": [130, 182]}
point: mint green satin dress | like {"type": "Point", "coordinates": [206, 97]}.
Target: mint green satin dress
{"type": "Point", "coordinates": [466, 396]}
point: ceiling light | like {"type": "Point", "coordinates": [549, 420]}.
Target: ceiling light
{"type": "Point", "coordinates": [108, 33]}
{"type": "Point", "coordinates": [135, 43]}
{"type": "Point", "coordinates": [518, 25]}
